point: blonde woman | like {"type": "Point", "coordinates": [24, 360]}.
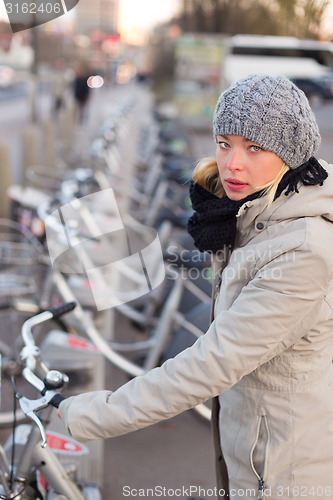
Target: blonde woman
{"type": "Point", "coordinates": [264, 208]}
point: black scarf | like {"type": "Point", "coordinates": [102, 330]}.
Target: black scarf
{"type": "Point", "coordinates": [213, 224]}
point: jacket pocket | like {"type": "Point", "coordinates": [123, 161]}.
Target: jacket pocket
{"type": "Point", "coordinates": [260, 451]}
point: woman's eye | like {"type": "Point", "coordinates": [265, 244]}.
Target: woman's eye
{"type": "Point", "coordinates": [255, 148]}
{"type": "Point", "coordinates": [223, 145]}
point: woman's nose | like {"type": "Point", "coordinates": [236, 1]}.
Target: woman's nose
{"type": "Point", "coordinates": [235, 160]}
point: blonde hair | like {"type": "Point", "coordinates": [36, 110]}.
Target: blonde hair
{"type": "Point", "coordinates": [206, 174]}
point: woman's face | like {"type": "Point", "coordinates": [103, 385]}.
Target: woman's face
{"type": "Point", "coordinates": [244, 166]}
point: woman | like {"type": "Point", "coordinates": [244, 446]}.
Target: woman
{"type": "Point", "coordinates": [264, 209]}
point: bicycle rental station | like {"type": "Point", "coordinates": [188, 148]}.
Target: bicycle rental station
{"type": "Point", "coordinates": [94, 241]}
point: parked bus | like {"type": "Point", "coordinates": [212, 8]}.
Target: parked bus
{"type": "Point", "coordinates": [309, 63]}
{"type": "Point", "coordinates": [282, 46]}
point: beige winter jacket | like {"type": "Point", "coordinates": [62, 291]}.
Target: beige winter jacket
{"type": "Point", "coordinates": [267, 355]}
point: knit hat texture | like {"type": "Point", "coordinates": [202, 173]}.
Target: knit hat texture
{"type": "Point", "coordinates": [273, 113]}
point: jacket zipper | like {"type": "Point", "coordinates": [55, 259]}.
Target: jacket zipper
{"type": "Point", "coordinates": [216, 293]}
{"type": "Point", "coordinates": [219, 283]}
{"type": "Point", "coordinates": [261, 478]}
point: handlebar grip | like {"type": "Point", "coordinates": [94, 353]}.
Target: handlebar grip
{"type": "Point", "coordinates": [56, 400]}
{"type": "Point", "coordinates": [65, 308]}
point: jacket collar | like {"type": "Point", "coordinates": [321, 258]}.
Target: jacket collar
{"type": "Point", "coordinates": [253, 212]}
{"type": "Point", "coordinates": [310, 201]}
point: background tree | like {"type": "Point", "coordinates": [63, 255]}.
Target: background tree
{"type": "Point", "coordinates": [299, 18]}
{"type": "Point", "coordinates": [312, 16]}
{"type": "Point", "coordinates": [302, 18]}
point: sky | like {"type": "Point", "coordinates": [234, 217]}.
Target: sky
{"type": "Point", "coordinates": [141, 15]}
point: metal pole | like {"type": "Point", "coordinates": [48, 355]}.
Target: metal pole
{"type": "Point", "coordinates": [34, 73]}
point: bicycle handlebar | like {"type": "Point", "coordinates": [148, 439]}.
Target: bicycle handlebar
{"type": "Point", "coordinates": [30, 351]}
{"type": "Point", "coordinates": [56, 400]}
{"type": "Point", "coordinates": [63, 309]}
{"type": "Point", "coordinates": [53, 379]}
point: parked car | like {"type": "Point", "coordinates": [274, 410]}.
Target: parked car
{"type": "Point", "coordinates": [317, 89]}
{"type": "Point", "coordinates": [327, 80]}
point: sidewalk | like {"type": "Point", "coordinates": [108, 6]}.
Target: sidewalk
{"type": "Point", "coordinates": [176, 454]}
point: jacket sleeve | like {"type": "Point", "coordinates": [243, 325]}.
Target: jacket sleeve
{"type": "Point", "coordinates": [274, 310]}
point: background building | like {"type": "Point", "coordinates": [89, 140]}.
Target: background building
{"type": "Point", "coordinates": [101, 15]}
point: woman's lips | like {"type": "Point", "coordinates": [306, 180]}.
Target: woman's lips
{"type": "Point", "coordinates": [235, 185]}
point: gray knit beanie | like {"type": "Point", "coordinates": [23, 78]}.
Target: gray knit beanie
{"type": "Point", "coordinates": [272, 112]}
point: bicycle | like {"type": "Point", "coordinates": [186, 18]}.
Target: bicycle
{"type": "Point", "coordinates": [149, 351]}
{"type": "Point", "coordinates": [20, 275]}
{"type": "Point", "coordinates": [28, 285]}
{"type": "Point", "coordinates": [158, 318]}
{"type": "Point", "coordinates": [148, 311]}
{"type": "Point", "coordinates": [34, 471]}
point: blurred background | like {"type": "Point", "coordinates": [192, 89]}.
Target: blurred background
{"type": "Point", "coordinates": [184, 52]}
{"type": "Point", "coordinates": [187, 50]}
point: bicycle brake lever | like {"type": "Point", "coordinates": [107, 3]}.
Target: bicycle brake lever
{"type": "Point", "coordinates": [29, 407]}
{"type": "Point", "coordinates": [40, 427]}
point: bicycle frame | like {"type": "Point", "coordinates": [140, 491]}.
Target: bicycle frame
{"type": "Point", "coordinates": [19, 480]}
{"type": "Point", "coordinates": [44, 459]}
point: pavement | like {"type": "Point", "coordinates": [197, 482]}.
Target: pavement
{"type": "Point", "coordinates": [171, 459]}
